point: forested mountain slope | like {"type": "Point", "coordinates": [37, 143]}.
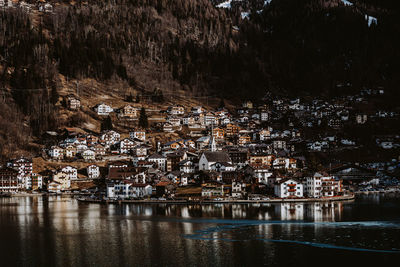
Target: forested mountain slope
{"type": "Point", "coordinates": [317, 47]}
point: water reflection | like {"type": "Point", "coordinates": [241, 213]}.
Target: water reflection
{"type": "Point", "coordinates": [52, 231]}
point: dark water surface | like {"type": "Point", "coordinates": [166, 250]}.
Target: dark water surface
{"type": "Point", "coordinates": [56, 231]}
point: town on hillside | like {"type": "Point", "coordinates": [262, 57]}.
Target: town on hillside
{"type": "Point", "coordinates": [278, 148]}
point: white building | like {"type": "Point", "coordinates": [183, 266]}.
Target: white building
{"type": "Point", "coordinates": [128, 189]}
{"type": "Point", "coordinates": [140, 151]}
{"type": "Point", "coordinates": [313, 186]}
{"type": "Point", "coordinates": [288, 188]}
{"type": "Point", "coordinates": [126, 146]}
{"type": "Point", "coordinates": [103, 109]}
{"type": "Point", "coordinates": [323, 186]}
{"type": "Point", "coordinates": [63, 179]}
{"type": "Point", "coordinates": [54, 187]}
{"type": "Point", "coordinates": [34, 181]}
{"type": "Point", "coordinates": [93, 171]}
{"type": "Point", "coordinates": [264, 115]}
{"type": "Point", "coordinates": [110, 138]}
{"type": "Point", "coordinates": [56, 152]}
{"type": "Point", "coordinates": [188, 120]}
{"type": "Point", "coordinates": [138, 134]}
{"type": "Point", "coordinates": [176, 110]}
{"type": "Point", "coordinates": [160, 160]}
{"type": "Point", "coordinates": [209, 158]}
{"type": "Point", "coordinates": [24, 168]}
{"type": "Point", "coordinates": [210, 119]}
{"type": "Point", "coordinates": [197, 110]}
{"type": "Point", "coordinates": [222, 167]}
{"type": "Point", "coordinates": [71, 172]}
{"type": "Point", "coordinates": [88, 155]}
{"type": "Point", "coordinates": [187, 166]}
{"type": "Point", "coordinates": [262, 175]}
{"type": "Point", "coordinates": [279, 144]}
{"type": "Point", "coordinates": [238, 189]}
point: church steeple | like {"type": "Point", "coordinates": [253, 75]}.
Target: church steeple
{"type": "Point", "coordinates": [213, 144]}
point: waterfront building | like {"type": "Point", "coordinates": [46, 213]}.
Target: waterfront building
{"type": "Point", "coordinates": [288, 187]}
{"type": "Point", "coordinates": [8, 180]}
{"type": "Point", "coordinates": [128, 189]}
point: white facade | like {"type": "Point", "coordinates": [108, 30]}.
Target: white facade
{"type": "Point", "coordinates": [103, 110]}
{"type": "Point", "coordinates": [24, 168]}
{"type": "Point", "coordinates": [209, 119]}
{"type": "Point", "coordinates": [141, 135]}
{"type": "Point", "coordinates": [126, 146]}
{"type": "Point", "coordinates": [322, 186]}
{"type": "Point", "coordinates": [89, 154]}
{"type": "Point", "coordinates": [262, 175]}
{"type": "Point", "coordinates": [160, 160]}
{"type": "Point", "coordinates": [205, 161]}
{"type": "Point", "coordinates": [288, 188]}
{"type": "Point", "coordinates": [71, 172]}
{"type": "Point", "coordinates": [33, 181]}
{"type": "Point", "coordinates": [238, 189]}
{"type": "Point", "coordinates": [93, 171]}
{"type": "Point", "coordinates": [197, 110]}
{"type": "Point", "coordinates": [279, 144]}
{"type": "Point", "coordinates": [54, 187]}
{"type": "Point", "coordinates": [56, 152]}
{"type": "Point", "coordinates": [313, 186]}
{"type": "Point", "coordinates": [264, 116]}
{"type": "Point", "coordinates": [222, 167]}
{"type": "Point", "coordinates": [110, 138]}
{"type": "Point", "coordinates": [187, 166]}
{"type": "Point", "coordinates": [126, 189]}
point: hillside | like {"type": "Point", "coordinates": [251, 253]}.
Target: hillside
{"type": "Point", "coordinates": [188, 49]}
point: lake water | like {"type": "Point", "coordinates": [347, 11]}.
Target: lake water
{"type": "Point", "coordinates": [57, 231]}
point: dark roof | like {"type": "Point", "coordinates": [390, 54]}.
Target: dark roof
{"type": "Point", "coordinates": [217, 156]}
{"type": "Point", "coordinates": [156, 156]}
{"type": "Point", "coordinates": [287, 179]}
{"type": "Point", "coordinates": [121, 173]}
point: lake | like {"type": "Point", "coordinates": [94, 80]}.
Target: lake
{"type": "Point", "coordinates": [59, 231]}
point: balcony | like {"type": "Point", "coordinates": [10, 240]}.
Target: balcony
{"type": "Point", "coordinates": [291, 185]}
{"type": "Point", "coordinates": [292, 190]}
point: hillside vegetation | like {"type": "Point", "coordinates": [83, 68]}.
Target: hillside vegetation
{"type": "Point", "coordinates": [191, 48]}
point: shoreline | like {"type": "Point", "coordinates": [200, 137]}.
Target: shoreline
{"type": "Point", "coordinates": [330, 199]}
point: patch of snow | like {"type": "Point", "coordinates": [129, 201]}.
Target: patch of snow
{"type": "Point", "coordinates": [347, 3]}
{"type": "Point", "coordinates": [245, 15]}
{"type": "Point", "coordinates": [371, 20]}
{"type": "Point", "coordinates": [267, 2]}
{"type": "Point", "coordinates": [226, 4]}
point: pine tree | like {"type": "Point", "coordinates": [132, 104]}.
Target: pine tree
{"type": "Point", "coordinates": [129, 98]}
{"type": "Point", "coordinates": [54, 94]}
{"type": "Point", "coordinates": [143, 122]}
{"type": "Point", "coordinates": [107, 124]}
{"type": "Point", "coordinates": [221, 104]}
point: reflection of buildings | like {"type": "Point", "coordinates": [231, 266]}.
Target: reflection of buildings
{"type": "Point", "coordinates": [291, 211]}
{"type": "Point", "coordinates": [318, 211]}
{"type": "Point", "coordinates": [238, 211]}
{"type": "Point", "coordinates": [325, 211]}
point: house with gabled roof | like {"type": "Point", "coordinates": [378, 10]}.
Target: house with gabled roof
{"type": "Point", "coordinates": [160, 160]}
{"type": "Point", "coordinates": [208, 158]}
{"type": "Point", "coordinates": [103, 109]}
